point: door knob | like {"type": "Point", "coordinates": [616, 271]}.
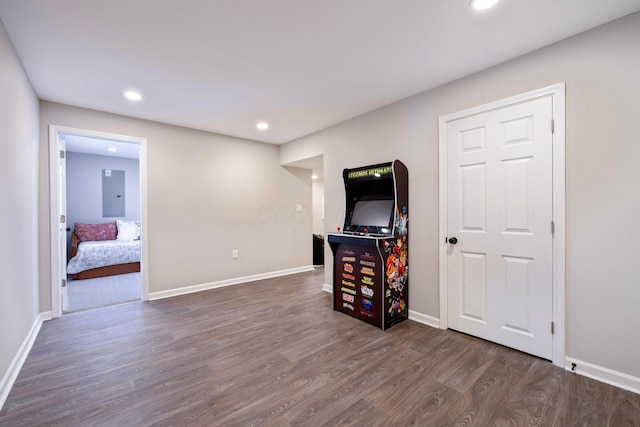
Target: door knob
{"type": "Point", "coordinates": [452, 240]}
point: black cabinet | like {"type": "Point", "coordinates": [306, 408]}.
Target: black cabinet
{"type": "Point", "coordinates": [371, 254]}
{"type": "Point", "coordinates": [318, 249]}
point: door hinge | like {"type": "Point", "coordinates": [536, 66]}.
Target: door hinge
{"type": "Point", "coordinates": [64, 283]}
{"type": "Point", "coordinates": [553, 328]}
{"type": "Point", "coordinates": [62, 154]}
{"type": "Point", "coordinates": [63, 219]}
{"type": "Point", "coordinates": [553, 228]}
{"type": "Point", "coordinates": [553, 126]}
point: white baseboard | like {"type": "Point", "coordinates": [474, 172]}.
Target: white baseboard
{"type": "Point", "coordinates": [18, 360]}
{"type": "Point", "coordinates": [434, 322]}
{"type": "Point", "coordinates": [229, 282]}
{"type": "Point", "coordinates": [605, 375]}
{"type": "Point", "coordinates": [425, 319]}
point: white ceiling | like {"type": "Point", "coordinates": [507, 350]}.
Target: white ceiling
{"type": "Point", "coordinates": [98, 146]}
{"type": "Point", "coordinates": [301, 65]}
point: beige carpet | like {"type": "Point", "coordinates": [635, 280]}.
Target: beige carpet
{"type": "Point", "coordinates": [93, 293]}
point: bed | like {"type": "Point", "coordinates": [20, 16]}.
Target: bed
{"type": "Point", "coordinates": [107, 249]}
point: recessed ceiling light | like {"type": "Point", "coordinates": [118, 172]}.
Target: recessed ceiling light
{"type": "Point", "coordinates": [483, 4]}
{"type": "Point", "coordinates": [132, 95]}
{"type": "Point", "coordinates": [112, 149]}
{"type": "Point", "coordinates": [314, 176]}
{"type": "Point", "coordinates": [262, 125]}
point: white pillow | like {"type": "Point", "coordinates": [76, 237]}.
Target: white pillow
{"type": "Point", "coordinates": [127, 231]}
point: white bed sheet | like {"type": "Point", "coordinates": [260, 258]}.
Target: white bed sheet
{"type": "Point", "coordinates": [100, 254]}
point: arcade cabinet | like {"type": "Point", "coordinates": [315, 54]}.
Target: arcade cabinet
{"type": "Point", "coordinates": [371, 252]}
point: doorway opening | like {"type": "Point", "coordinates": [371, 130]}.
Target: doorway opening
{"type": "Point", "coordinates": [315, 166]}
{"type": "Point", "coordinates": [98, 205]}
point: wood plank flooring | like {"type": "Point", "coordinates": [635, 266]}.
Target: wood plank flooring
{"type": "Point", "coordinates": [274, 353]}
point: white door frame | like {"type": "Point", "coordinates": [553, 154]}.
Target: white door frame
{"type": "Point", "coordinates": [54, 193]}
{"type": "Point", "coordinates": [62, 224]}
{"type": "Point", "coordinates": [557, 93]}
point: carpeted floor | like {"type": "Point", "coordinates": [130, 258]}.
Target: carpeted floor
{"type": "Point", "coordinates": [93, 293]}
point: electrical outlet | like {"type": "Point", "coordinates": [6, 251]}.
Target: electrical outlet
{"type": "Point", "coordinates": [234, 253]}
{"type": "Point", "coordinates": [298, 208]}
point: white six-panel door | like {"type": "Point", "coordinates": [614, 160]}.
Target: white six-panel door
{"type": "Point", "coordinates": [499, 208]}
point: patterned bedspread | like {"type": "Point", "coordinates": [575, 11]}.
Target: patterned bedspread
{"type": "Point", "coordinates": [100, 254]}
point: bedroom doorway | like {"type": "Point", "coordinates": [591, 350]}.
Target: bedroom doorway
{"type": "Point", "coordinates": [87, 167]}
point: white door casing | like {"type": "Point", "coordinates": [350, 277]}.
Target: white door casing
{"type": "Point", "coordinates": [62, 228]}
{"type": "Point", "coordinates": [57, 258]}
{"type": "Point", "coordinates": [500, 186]}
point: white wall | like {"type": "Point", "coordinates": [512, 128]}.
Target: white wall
{"type": "Point", "coordinates": [207, 194]}
{"type": "Point", "coordinates": [601, 69]}
{"type": "Point", "coordinates": [84, 187]}
{"type": "Point", "coordinates": [317, 195]}
{"type": "Point", "coordinates": [18, 206]}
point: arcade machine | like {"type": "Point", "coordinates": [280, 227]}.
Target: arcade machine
{"type": "Point", "coordinates": [370, 266]}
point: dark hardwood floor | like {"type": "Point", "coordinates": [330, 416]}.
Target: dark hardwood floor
{"type": "Point", "coordinates": [274, 353]}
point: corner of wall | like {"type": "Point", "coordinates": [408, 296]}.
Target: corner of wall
{"type": "Point", "coordinates": [20, 357]}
